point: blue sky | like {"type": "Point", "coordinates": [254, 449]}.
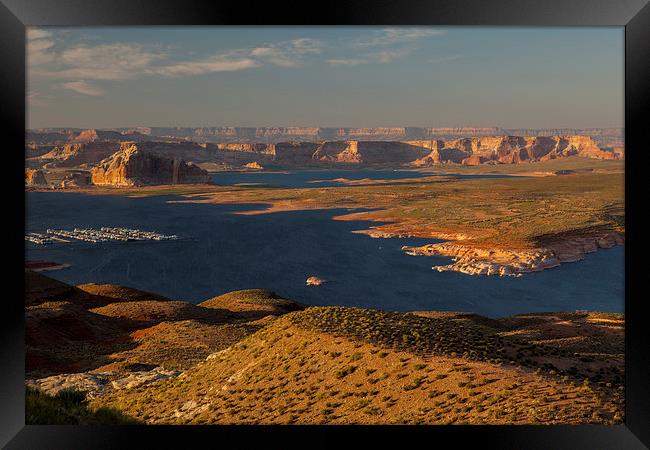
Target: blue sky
{"type": "Point", "coordinates": [325, 76]}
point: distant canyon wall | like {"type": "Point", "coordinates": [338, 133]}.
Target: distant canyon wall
{"type": "Point", "coordinates": [415, 153]}
{"type": "Point", "coordinates": [610, 137]}
{"type": "Point", "coordinates": [412, 153]}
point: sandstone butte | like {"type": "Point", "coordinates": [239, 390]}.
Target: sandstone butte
{"type": "Point", "coordinates": [34, 177]}
{"type": "Point", "coordinates": [79, 154]}
{"type": "Point", "coordinates": [131, 166]}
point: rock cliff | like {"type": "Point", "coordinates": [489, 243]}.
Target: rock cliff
{"type": "Point", "coordinates": [75, 155]}
{"type": "Point", "coordinates": [386, 153]}
{"type": "Point", "coordinates": [93, 135]}
{"type": "Point", "coordinates": [606, 137]}
{"type": "Point", "coordinates": [314, 134]}
{"type": "Point", "coordinates": [510, 150]}
{"type": "Point", "coordinates": [34, 177]}
{"type": "Point", "coordinates": [132, 166]}
{"type": "Point", "coordinates": [505, 262]}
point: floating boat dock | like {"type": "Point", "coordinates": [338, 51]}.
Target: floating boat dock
{"type": "Point", "coordinates": [104, 234]}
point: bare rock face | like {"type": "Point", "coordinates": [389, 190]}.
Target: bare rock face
{"type": "Point", "coordinates": [75, 155]}
{"type": "Point", "coordinates": [414, 153]}
{"type": "Point", "coordinates": [314, 281]}
{"type": "Point", "coordinates": [34, 177]}
{"type": "Point", "coordinates": [512, 150]}
{"type": "Point", "coordinates": [506, 262]}
{"type": "Point", "coordinates": [131, 166]}
{"type": "Point", "coordinates": [93, 135]}
{"type": "Point", "coordinates": [254, 165]}
{"type": "Point", "coordinates": [36, 150]}
{"type": "Point", "coordinates": [75, 179]}
{"type": "Point", "coordinates": [473, 160]}
{"type": "Point", "coordinates": [338, 152]}
{"type": "Point", "coordinates": [95, 384]}
{"type": "Point", "coordinates": [274, 135]}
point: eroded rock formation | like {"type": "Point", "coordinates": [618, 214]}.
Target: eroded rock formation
{"type": "Point", "coordinates": [510, 150]}
{"type": "Point", "coordinates": [295, 154]}
{"type": "Point", "coordinates": [132, 166]}
{"type": "Point", "coordinates": [75, 155]}
{"type": "Point", "coordinates": [34, 177]}
{"type": "Point", "coordinates": [473, 260]}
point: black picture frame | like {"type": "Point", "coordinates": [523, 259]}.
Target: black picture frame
{"type": "Point", "coordinates": [634, 15]}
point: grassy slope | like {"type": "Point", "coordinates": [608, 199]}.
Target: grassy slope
{"type": "Point", "coordinates": [323, 364]}
{"type": "Point", "coordinates": [347, 365]}
{"type": "Point", "coordinates": [68, 407]}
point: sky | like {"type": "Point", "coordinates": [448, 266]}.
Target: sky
{"type": "Point", "coordinates": [535, 77]}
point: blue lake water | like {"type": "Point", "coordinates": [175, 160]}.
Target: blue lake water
{"type": "Point", "coordinates": [221, 252]}
{"type": "Point", "coordinates": [325, 178]}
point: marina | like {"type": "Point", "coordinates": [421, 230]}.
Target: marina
{"type": "Point", "coordinates": [103, 234]}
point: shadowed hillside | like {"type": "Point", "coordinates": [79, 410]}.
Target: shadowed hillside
{"type": "Point", "coordinates": [255, 357]}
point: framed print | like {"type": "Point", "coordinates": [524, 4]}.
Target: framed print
{"type": "Point", "coordinates": [373, 221]}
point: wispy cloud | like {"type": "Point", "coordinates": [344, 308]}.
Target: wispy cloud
{"type": "Point", "coordinates": [85, 68]}
{"type": "Point", "coordinates": [445, 58]}
{"type": "Point", "coordinates": [83, 87]}
{"type": "Point", "coordinates": [121, 61]}
{"type": "Point", "coordinates": [347, 62]}
{"type": "Point", "coordinates": [37, 33]}
{"type": "Point", "coordinates": [377, 57]}
{"type": "Point", "coordinates": [397, 35]}
{"type": "Point", "coordinates": [283, 54]}
{"type": "Point", "coordinates": [35, 98]}
{"type": "Point", "coordinates": [386, 56]}
{"type": "Point", "coordinates": [384, 46]}
{"type": "Point", "coordinates": [218, 63]}
{"type": "Point", "coordinates": [287, 53]}
{"type": "Point", "coordinates": [39, 47]}
{"type": "Point", "coordinates": [108, 62]}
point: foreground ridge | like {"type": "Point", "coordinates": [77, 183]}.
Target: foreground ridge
{"type": "Point", "coordinates": [254, 357]}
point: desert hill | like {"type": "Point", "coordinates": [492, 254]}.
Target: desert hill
{"type": "Point", "coordinates": [255, 357]}
{"type": "Point", "coordinates": [344, 365]}
{"type": "Point", "coordinates": [253, 303]}
{"type": "Point", "coordinates": [113, 293]}
{"type": "Point", "coordinates": [72, 329]}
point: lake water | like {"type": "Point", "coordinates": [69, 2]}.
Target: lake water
{"type": "Point", "coordinates": [222, 252]}
{"type": "Point", "coordinates": [325, 178]}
